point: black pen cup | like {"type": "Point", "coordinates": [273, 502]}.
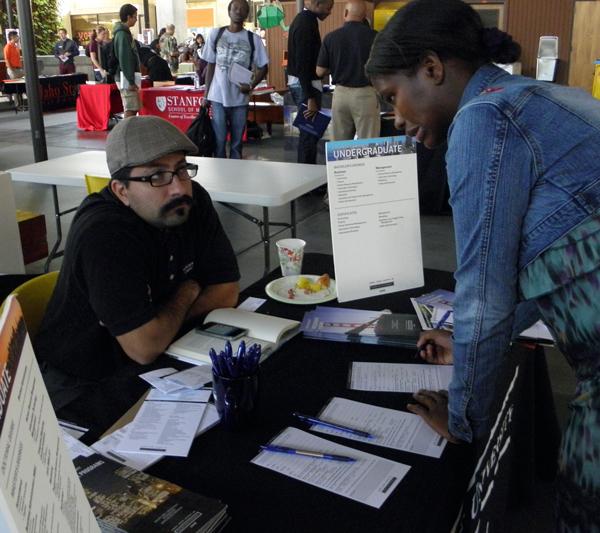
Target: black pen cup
{"type": "Point", "coordinates": [236, 400]}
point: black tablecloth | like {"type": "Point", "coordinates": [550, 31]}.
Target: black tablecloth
{"type": "Point", "coordinates": [56, 92]}
{"type": "Point", "coordinates": [302, 376]}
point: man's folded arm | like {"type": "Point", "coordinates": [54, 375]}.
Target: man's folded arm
{"type": "Point", "coordinates": [145, 343]}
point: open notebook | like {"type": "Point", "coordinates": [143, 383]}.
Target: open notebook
{"type": "Point", "coordinates": [268, 331]}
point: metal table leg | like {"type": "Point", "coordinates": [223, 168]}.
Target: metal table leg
{"type": "Point", "coordinates": [266, 240]}
{"type": "Point", "coordinates": [54, 253]}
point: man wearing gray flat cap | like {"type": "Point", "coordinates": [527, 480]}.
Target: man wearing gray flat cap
{"type": "Point", "coordinates": [143, 256]}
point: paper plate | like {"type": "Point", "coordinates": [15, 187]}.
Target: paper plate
{"type": "Point", "coordinates": [279, 290]}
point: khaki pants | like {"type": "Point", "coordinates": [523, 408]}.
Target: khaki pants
{"type": "Point", "coordinates": [355, 110]}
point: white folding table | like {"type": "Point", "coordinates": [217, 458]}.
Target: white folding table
{"type": "Point", "coordinates": [228, 181]}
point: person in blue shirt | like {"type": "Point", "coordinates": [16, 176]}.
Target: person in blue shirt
{"type": "Point", "coordinates": [524, 178]}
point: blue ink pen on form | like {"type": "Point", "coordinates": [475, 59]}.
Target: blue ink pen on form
{"type": "Point", "coordinates": [305, 453]}
{"type": "Point", "coordinates": [319, 422]}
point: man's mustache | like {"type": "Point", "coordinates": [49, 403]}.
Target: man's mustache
{"type": "Point", "coordinates": [176, 202]}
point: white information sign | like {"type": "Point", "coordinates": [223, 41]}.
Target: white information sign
{"type": "Point", "coordinates": [374, 210]}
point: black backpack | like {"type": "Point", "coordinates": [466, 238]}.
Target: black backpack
{"type": "Point", "coordinates": [250, 40]}
{"type": "Point", "coordinates": [201, 134]}
{"type": "Point", "coordinates": [110, 62]}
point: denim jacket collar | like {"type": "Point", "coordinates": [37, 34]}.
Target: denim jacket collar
{"type": "Point", "coordinates": [483, 78]}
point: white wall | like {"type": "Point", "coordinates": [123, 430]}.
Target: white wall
{"type": "Point", "coordinates": [11, 257]}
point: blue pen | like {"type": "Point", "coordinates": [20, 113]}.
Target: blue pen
{"type": "Point", "coordinates": [215, 361]}
{"type": "Point", "coordinates": [442, 320]}
{"type": "Point", "coordinates": [319, 422]}
{"type": "Point", "coordinates": [306, 453]}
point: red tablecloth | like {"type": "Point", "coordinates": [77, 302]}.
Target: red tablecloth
{"type": "Point", "coordinates": [178, 104]}
{"type": "Point", "coordinates": [95, 105]}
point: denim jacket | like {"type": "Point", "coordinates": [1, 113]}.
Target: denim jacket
{"type": "Point", "coordinates": [523, 166]}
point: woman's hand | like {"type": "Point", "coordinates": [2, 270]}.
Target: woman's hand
{"type": "Point", "coordinates": [435, 346]}
{"type": "Point", "coordinates": [432, 407]}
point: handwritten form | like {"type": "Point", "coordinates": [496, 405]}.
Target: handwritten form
{"type": "Point", "coordinates": [399, 377]}
{"type": "Point", "coordinates": [369, 480]}
{"type": "Point", "coordinates": [390, 428]}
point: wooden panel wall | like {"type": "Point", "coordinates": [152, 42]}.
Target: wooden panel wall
{"type": "Point", "coordinates": [585, 44]}
{"type": "Point", "coordinates": [277, 38]}
{"type": "Point", "coordinates": [527, 20]}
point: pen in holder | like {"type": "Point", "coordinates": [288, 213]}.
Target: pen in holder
{"type": "Point", "coordinates": [235, 384]}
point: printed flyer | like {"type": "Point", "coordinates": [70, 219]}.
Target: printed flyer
{"type": "Point", "coordinates": [374, 212]}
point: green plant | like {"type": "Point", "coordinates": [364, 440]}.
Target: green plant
{"type": "Point", "coordinates": [45, 23]}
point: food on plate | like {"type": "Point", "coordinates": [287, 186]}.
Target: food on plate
{"type": "Point", "coordinates": [309, 286]}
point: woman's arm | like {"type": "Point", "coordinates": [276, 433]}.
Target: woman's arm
{"type": "Point", "coordinates": [490, 173]}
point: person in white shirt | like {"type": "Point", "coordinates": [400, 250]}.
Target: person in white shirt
{"type": "Point", "coordinates": [225, 47]}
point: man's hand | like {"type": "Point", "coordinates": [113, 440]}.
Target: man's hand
{"type": "Point", "coordinates": [435, 346]}
{"type": "Point", "coordinates": [432, 407]}
{"type": "Point", "coordinates": [245, 88]}
{"type": "Point", "coordinates": [311, 108]}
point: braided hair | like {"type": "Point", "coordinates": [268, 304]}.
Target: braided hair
{"type": "Point", "coordinates": [450, 28]}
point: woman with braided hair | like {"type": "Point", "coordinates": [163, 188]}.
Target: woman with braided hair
{"type": "Point", "coordinates": [524, 177]}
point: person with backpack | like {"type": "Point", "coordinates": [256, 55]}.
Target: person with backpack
{"type": "Point", "coordinates": [125, 53]}
{"type": "Point", "coordinates": [228, 99]}
{"type": "Point", "coordinates": [93, 51]}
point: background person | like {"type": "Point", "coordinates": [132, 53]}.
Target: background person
{"type": "Point", "coordinates": [65, 50]}
{"type": "Point", "coordinates": [355, 108]}
{"type": "Point", "coordinates": [143, 256]}
{"type": "Point", "coordinates": [12, 56]}
{"type": "Point", "coordinates": [304, 43]}
{"type": "Point", "coordinates": [526, 205]}
{"type": "Point", "coordinates": [229, 101]}
{"type": "Point", "coordinates": [199, 63]}
{"type": "Point", "coordinates": [97, 39]}
{"type": "Point", "coordinates": [168, 48]}
{"type": "Point", "coordinates": [126, 52]}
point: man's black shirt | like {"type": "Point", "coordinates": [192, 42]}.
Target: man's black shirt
{"type": "Point", "coordinates": [345, 52]}
{"type": "Point", "coordinates": [304, 42]}
{"type": "Point", "coordinates": [117, 272]}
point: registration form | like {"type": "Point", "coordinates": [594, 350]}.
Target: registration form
{"type": "Point", "coordinates": [374, 214]}
{"type": "Point", "coordinates": [399, 377]}
{"type": "Point", "coordinates": [390, 428]}
{"type": "Point", "coordinates": [166, 424]}
{"type": "Point", "coordinates": [369, 480]}
{"type": "Point", "coordinates": [140, 461]}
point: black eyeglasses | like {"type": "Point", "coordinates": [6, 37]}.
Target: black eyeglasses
{"type": "Point", "coordinates": [165, 177]}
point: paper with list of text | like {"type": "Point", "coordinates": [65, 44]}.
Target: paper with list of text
{"type": "Point", "coordinates": [374, 213]}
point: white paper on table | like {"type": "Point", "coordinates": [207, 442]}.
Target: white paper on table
{"type": "Point", "coordinates": [156, 379]}
{"type": "Point", "coordinates": [192, 378]}
{"type": "Point", "coordinates": [166, 423]}
{"type": "Point", "coordinates": [239, 75]}
{"type": "Point", "coordinates": [369, 480]}
{"type": "Point", "coordinates": [390, 428]}
{"type": "Point", "coordinates": [76, 448]}
{"type": "Point", "coordinates": [72, 429]}
{"type": "Point", "coordinates": [399, 377]}
{"type": "Point", "coordinates": [251, 303]}
{"type": "Point", "coordinates": [141, 461]}
{"type": "Point", "coordinates": [374, 201]}
{"type": "Point", "coordinates": [539, 330]}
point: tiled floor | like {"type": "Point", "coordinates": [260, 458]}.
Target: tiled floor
{"type": "Point", "coordinates": [62, 138]}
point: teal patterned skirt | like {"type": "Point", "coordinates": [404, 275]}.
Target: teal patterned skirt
{"type": "Point", "coordinates": [565, 282]}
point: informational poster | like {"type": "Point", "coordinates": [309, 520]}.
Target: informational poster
{"type": "Point", "coordinates": [374, 211]}
{"type": "Point", "coordinates": [39, 487]}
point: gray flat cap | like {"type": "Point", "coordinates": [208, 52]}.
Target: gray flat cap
{"type": "Point", "coordinates": [141, 139]}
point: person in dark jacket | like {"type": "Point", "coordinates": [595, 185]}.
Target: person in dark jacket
{"type": "Point", "coordinates": [304, 43]}
{"type": "Point", "coordinates": [158, 68]}
{"type": "Point", "coordinates": [65, 50]}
